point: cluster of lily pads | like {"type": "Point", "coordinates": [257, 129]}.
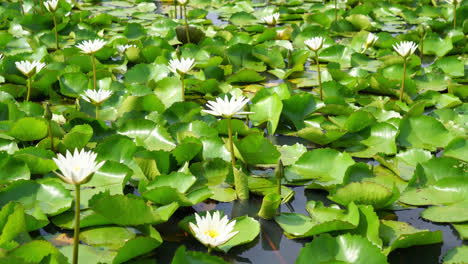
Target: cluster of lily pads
{"type": "Point", "coordinates": [115, 115]}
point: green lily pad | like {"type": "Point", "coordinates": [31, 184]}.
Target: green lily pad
{"type": "Point", "coordinates": [124, 210]}
{"type": "Point", "coordinates": [458, 149]}
{"type": "Point", "coordinates": [51, 197]}
{"type": "Point", "coordinates": [266, 109]}
{"type": "Point", "coordinates": [401, 235]}
{"type": "Point", "coordinates": [456, 255]}
{"type": "Point", "coordinates": [423, 132]}
{"type": "Point", "coordinates": [457, 212]}
{"type": "Point", "coordinates": [29, 129]}
{"type": "Point", "coordinates": [326, 165]}
{"type": "Point", "coordinates": [255, 149]}
{"type": "Point", "coordinates": [342, 249]}
{"type": "Point", "coordinates": [194, 257]}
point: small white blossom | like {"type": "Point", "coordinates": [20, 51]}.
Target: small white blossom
{"type": "Point", "coordinates": [77, 168]}
{"type": "Point", "coordinates": [60, 119]}
{"type": "Point", "coordinates": [183, 65]}
{"type": "Point", "coordinates": [96, 97]}
{"type": "Point", "coordinates": [91, 46]}
{"type": "Point", "coordinates": [51, 5]}
{"type": "Point", "coordinates": [314, 43]}
{"type": "Point", "coordinates": [405, 48]}
{"type": "Point", "coordinates": [29, 68]}
{"type": "Point", "coordinates": [272, 19]}
{"type": "Point", "coordinates": [123, 48]}
{"type": "Point", "coordinates": [371, 39]}
{"type": "Point", "coordinates": [213, 231]}
{"type": "Point", "coordinates": [182, 2]}
{"type": "Point", "coordinates": [227, 108]}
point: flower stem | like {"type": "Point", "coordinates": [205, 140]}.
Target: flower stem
{"type": "Point", "coordinates": [76, 237]}
{"type": "Point", "coordinates": [403, 81]}
{"type": "Point", "coordinates": [183, 87]}
{"type": "Point", "coordinates": [209, 250]}
{"type": "Point", "coordinates": [42, 8]}
{"type": "Point", "coordinates": [175, 8]}
{"type": "Point", "coordinates": [29, 89]}
{"type": "Point", "coordinates": [231, 144]}
{"type": "Point", "coordinates": [22, 9]}
{"type": "Point", "coordinates": [97, 110]}
{"type": "Point", "coordinates": [319, 75]}
{"type": "Point", "coordinates": [94, 70]}
{"type": "Point", "coordinates": [186, 25]}
{"type": "Point", "coordinates": [56, 33]}
{"type": "Point", "coordinates": [421, 48]}
{"type": "Point", "coordinates": [455, 16]}
{"type": "Point", "coordinates": [51, 136]}
{"type": "Point", "coordinates": [336, 11]}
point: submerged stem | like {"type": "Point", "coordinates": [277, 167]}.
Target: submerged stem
{"type": "Point", "coordinates": [403, 81]}
{"type": "Point", "coordinates": [76, 236]}
{"type": "Point", "coordinates": [56, 33]}
{"type": "Point", "coordinates": [97, 110]}
{"type": "Point", "coordinates": [231, 144]}
{"type": "Point", "coordinates": [319, 75]}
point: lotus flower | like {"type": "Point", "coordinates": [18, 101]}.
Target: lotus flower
{"type": "Point", "coordinates": [91, 46]}
{"type": "Point", "coordinates": [314, 43]}
{"type": "Point", "coordinates": [123, 48]}
{"type": "Point", "coordinates": [77, 168]}
{"type": "Point", "coordinates": [51, 5]}
{"type": "Point", "coordinates": [183, 65]}
{"type": "Point", "coordinates": [213, 231]}
{"type": "Point", "coordinates": [96, 97]}
{"type": "Point", "coordinates": [272, 19]}
{"type": "Point", "coordinates": [405, 48]}
{"type": "Point", "coordinates": [227, 108]}
{"type": "Point", "coordinates": [29, 68]}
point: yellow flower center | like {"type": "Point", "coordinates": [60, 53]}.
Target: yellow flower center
{"type": "Point", "coordinates": [77, 168]}
{"type": "Point", "coordinates": [212, 233]}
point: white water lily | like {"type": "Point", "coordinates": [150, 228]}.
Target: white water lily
{"type": "Point", "coordinates": [123, 48]}
{"type": "Point", "coordinates": [182, 2]}
{"type": "Point", "coordinates": [182, 66]}
{"type": "Point", "coordinates": [77, 168]}
{"type": "Point", "coordinates": [96, 97]}
{"type": "Point", "coordinates": [272, 19]}
{"type": "Point", "coordinates": [51, 5]}
{"type": "Point", "coordinates": [227, 108]}
{"type": "Point", "coordinates": [91, 46]}
{"type": "Point", "coordinates": [1, 56]}
{"type": "Point", "coordinates": [371, 39]}
{"type": "Point", "coordinates": [29, 68]}
{"type": "Point", "coordinates": [405, 48]}
{"type": "Point", "coordinates": [213, 231]}
{"type": "Point", "coordinates": [60, 119]}
{"type": "Point", "coordinates": [314, 43]}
